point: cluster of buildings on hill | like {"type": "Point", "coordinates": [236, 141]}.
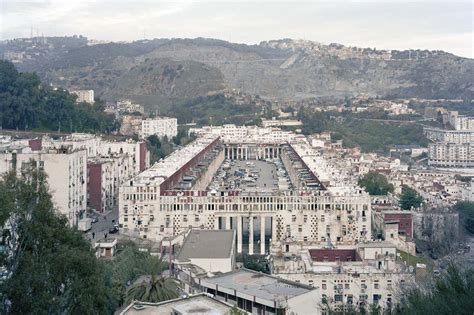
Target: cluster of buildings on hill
{"type": "Point", "coordinates": [452, 148]}
{"type": "Point", "coordinates": [131, 115]}
{"type": "Point", "coordinates": [133, 121]}
{"type": "Point", "coordinates": [83, 170]}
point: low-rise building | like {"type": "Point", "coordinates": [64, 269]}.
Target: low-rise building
{"type": "Point", "coordinates": [259, 293]}
{"type": "Point", "coordinates": [212, 250]}
{"type": "Point", "coordinates": [199, 304]}
{"type": "Point", "coordinates": [367, 273]}
{"type": "Point", "coordinates": [105, 247]}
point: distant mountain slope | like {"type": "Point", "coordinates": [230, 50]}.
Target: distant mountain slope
{"type": "Point", "coordinates": [167, 70]}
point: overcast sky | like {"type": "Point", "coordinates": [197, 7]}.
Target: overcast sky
{"type": "Point", "coordinates": [394, 24]}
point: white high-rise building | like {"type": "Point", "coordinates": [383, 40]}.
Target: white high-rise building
{"type": "Point", "coordinates": [452, 148]}
{"type": "Point", "coordinates": [160, 126]}
{"type": "Point", "coordinates": [66, 170]}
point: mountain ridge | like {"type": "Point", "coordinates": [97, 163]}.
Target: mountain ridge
{"type": "Point", "coordinates": [284, 69]}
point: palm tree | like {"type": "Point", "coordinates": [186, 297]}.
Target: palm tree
{"type": "Point", "coordinates": [153, 289]}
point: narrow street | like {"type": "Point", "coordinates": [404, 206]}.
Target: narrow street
{"type": "Point", "coordinates": [101, 228]}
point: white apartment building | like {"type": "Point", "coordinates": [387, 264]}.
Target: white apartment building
{"type": "Point", "coordinates": [97, 147]}
{"type": "Point", "coordinates": [459, 122]}
{"type": "Point", "coordinates": [281, 122]}
{"type": "Point", "coordinates": [246, 134]}
{"type": "Point", "coordinates": [86, 96]}
{"type": "Point", "coordinates": [160, 126]}
{"type": "Point", "coordinates": [66, 171]}
{"type": "Point", "coordinates": [104, 177]}
{"type": "Point", "coordinates": [452, 148]}
{"type": "Point", "coordinates": [451, 155]}
{"type": "Point", "coordinates": [449, 136]}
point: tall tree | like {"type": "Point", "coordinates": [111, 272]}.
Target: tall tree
{"type": "Point", "coordinates": [466, 212]}
{"type": "Point", "coordinates": [375, 184]}
{"type": "Point", "coordinates": [52, 268]}
{"type": "Point", "coordinates": [452, 293]}
{"type": "Point", "coordinates": [409, 198]}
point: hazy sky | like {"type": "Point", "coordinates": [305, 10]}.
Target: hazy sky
{"type": "Point", "coordinates": [394, 24]}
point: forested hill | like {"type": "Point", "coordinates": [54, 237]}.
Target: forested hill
{"type": "Point", "coordinates": [168, 70]}
{"type": "Point", "coordinates": [27, 104]}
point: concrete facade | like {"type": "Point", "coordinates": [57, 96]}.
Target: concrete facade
{"type": "Point", "coordinates": [66, 171]}
{"type": "Point", "coordinates": [151, 206]}
{"type": "Point", "coordinates": [86, 96]}
{"type": "Point", "coordinates": [159, 126]}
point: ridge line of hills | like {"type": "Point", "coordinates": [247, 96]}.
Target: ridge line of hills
{"type": "Point", "coordinates": [163, 71]}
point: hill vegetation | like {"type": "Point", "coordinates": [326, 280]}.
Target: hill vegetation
{"type": "Point", "coordinates": [282, 69]}
{"type": "Point", "coordinates": [25, 103]}
{"type": "Point", "coordinates": [369, 135]}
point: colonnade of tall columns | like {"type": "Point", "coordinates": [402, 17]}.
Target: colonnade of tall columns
{"type": "Point", "coordinates": [236, 222]}
{"type": "Point", "coordinates": [252, 152]}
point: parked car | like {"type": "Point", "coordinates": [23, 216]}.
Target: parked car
{"type": "Point", "coordinates": [95, 219]}
{"type": "Point", "coordinates": [113, 230]}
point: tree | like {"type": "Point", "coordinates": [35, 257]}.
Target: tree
{"type": "Point", "coordinates": [409, 198]}
{"type": "Point", "coordinates": [52, 267]}
{"type": "Point", "coordinates": [466, 212]}
{"type": "Point", "coordinates": [375, 184]}
{"type": "Point", "coordinates": [452, 293]}
{"type": "Point", "coordinates": [153, 289]}
{"type": "Point", "coordinates": [128, 265]}
{"type": "Point", "coordinates": [26, 104]}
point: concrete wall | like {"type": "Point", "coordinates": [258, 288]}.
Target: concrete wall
{"type": "Point", "coordinates": [214, 264]}
{"type": "Point", "coordinates": [356, 285]}
{"type": "Point", "coordinates": [308, 303]}
{"type": "Point", "coordinates": [206, 178]}
{"type": "Point", "coordinates": [94, 185]}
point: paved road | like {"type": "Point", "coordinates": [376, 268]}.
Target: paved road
{"type": "Point", "coordinates": [102, 227]}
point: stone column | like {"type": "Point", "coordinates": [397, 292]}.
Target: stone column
{"type": "Point", "coordinates": [227, 223]}
{"type": "Point", "coordinates": [216, 223]}
{"type": "Point", "coordinates": [239, 234]}
{"type": "Point", "coordinates": [250, 235]}
{"type": "Point", "coordinates": [262, 235]}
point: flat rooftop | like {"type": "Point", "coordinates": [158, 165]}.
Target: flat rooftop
{"type": "Point", "coordinates": [376, 245]}
{"type": "Point", "coordinates": [207, 244]}
{"type": "Point", "coordinates": [197, 304]}
{"type": "Point", "coordinates": [163, 169]}
{"type": "Point", "coordinates": [332, 255]}
{"type": "Point", "coordinates": [258, 284]}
